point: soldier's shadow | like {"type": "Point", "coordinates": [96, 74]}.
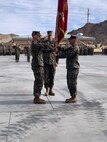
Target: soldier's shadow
{"type": "Point", "coordinates": [15, 99]}
{"type": "Point", "coordinates": [15, 102]}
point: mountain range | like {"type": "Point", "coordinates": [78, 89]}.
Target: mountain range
{"type": "Point", "coordinates": [99, 31]}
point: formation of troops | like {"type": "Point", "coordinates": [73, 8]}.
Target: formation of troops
{"type": "Point", "coordinates": [12, 48]}
{"type": "Point", "coordinates": [17, 51]}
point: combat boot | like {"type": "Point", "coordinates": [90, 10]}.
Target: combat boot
{"type": "Point", "coordinates": [71, 100]}
{"type": "Point", "coordinates": [51, 93]}
{"type": "Point", "coordinates": [47, 91]}
{"type": "Point", "coordinates": [37, 100]}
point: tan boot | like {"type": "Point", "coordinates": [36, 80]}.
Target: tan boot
{"type": "Point", "coordinates": [71, 100]}
{"type": "Point", "coordinates": [47, 91]}
{"type": "Point", "coordinates": [37, 100]}
{"type": "Point", "coordinates": [51, 93]}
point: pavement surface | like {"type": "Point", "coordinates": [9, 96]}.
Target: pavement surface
{"type": "Point", "coordinates": [55, 121]}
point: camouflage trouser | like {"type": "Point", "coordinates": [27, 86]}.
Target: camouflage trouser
{"type": "Point", "coordinates": [28, 57]}
{"type": "Point", "coordinates": [38, 82]}
{"type": "Point", "coordinates": [49, 73]}
{"type": "Point", "coordinates": [17, 55]}
{"type": "Point", "coordinates": [72, 75]}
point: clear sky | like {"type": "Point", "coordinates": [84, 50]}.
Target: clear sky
{"type": "Point", "coordinates": [23, 16]}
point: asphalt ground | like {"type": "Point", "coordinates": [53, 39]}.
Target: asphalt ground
{"type": "Point", "coordinates": [55, 121]}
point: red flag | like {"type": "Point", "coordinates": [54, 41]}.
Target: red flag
{"type": "Point", "coordinates": [61, 20]}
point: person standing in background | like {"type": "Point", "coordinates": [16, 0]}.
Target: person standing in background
{"type": "Point", "coordinates": [17, 51]}
{"type": "Point", "coordinates": [50, 62]}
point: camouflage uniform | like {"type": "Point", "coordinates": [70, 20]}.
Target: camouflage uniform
{"type": "Point", "coordinates": [27, 53]}
{"type": "Point", "coordinates": [72, 65]}
{"type": "Point", "coordinates": [10, 50]}
{"type": "Point", "coordinates": [37, 66]}
{"type": "Point", "coordinates": [17, 53]}
{"type": "Point", "coordinates": [4, 50]}
{"type": "Point", "coordinates": [49, 64]}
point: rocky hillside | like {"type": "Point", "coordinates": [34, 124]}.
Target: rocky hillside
{"type": "Point", "coordinates": [99, 31]}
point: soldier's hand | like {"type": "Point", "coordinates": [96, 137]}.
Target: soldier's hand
{"type": "Point", "coordinates": [56, 44]}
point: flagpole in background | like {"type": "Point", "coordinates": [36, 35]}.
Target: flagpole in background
{"type": "Point", "coordinates": [61, 20]}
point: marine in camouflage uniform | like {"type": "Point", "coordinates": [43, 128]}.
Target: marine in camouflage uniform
{"type": "Point", "coordinates": [37, 49]}
{"type": "Point", "coordinates": [27, 53]}
{"type": "Point", "coordinates": [17, 52]}
{"type": "Point", "coordinates": [72, 65]}
{"type": "Point", "coordinates": [50, 61]}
